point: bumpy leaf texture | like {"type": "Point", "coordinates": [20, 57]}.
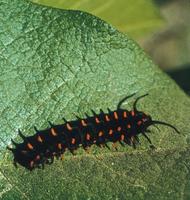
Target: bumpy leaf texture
{"type": "Point", "coordinates": [136, 18]}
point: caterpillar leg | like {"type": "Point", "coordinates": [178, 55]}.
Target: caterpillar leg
{"type": "Point", "coordinates": [100, 145]}
{"type": "Point", "coordinates": [107, 146]}
{"type": "Point", "coordinates": [133, 142]}
{"type": "Point", "coordinates": [137, 139]}
{"type": "Point", "coordinates": [121, 144]}
{"type": "Point", "coordinates": [43, 165]}
{"type": "Point", "coordinates": [51, 160]}
{"type": "Point", "coordinates": [62, 156]}
{"type": "Point", "coordinates": [114, 145]}
{"type": "Point", "coordinates": [87, 150]}
{"type": "Point", "coordinates": [73, 151]}
{"type": "Point", "coordinates": [151, 145]}
{"type": "Point", "coordinates": [15, 163]}
{"type": "Point", "coordinates": [21, 135]}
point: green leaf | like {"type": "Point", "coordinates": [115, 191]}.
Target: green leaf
{"type": "Point", "coordinates": [135, 18]}
{"type": "Point", "coordinates": [54, 63]}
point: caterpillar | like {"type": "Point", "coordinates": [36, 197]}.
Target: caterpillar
{"type": "Point", "coordinates": [118, 126]}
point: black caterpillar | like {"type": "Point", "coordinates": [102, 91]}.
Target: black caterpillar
{"type": "Point", "coordinates": [121, 126]}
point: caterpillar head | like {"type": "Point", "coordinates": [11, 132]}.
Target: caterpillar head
{"type": "Point", "coordinates": [146, 120]}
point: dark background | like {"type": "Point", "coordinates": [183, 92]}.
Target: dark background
{"type": "Point", "coordinates": [170, 46]}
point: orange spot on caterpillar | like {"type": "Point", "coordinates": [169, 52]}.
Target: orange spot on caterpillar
{"type": "Point", "coordinates": [125, 114]}
{"type": "Point", "coordinates": [29, 145]}
{"type": "Point", "coordinates": [69, 127]}
{"type": "Point", "coordinates": [83, 122]}
{"type": "Point", "coordinates": [128, 126]}
{"type": "Point", "coordinates": [139, 123]}
{"type": "Point", "coordinates": [87, 136]}
{"type": "Point", "coordinates": [107, 118]}
{"type": "Point", "coordinates": [132, 113]}
{"type": "Point", "coordinates": [119, 128]}
{"type": "Point", "coordinates": [37, 157]}
{"type": "Point", "coordinates": [31, 163]}
{"type": "Point", "coordinates": [110, 132]}
{"type": "Point", "coordinates": [73, 141]}
{"type": "Point", "coordinates": [115, 115]}
{"type": "Point", "coordinates": [100, 133]}
{"type": "Point", "coordinates": [97, 120]}
{"type": "Point", "coordinates": [53, 132]}
{"type": "Point", "coordinates": [59, 146]}
{"type": "Point", "coordinates": [122, 137]}
{"type": "Point", "coordinates": [39, 139]}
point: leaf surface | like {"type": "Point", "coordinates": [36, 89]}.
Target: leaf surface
{"type": "Point", "coordinates": [136, 18]}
